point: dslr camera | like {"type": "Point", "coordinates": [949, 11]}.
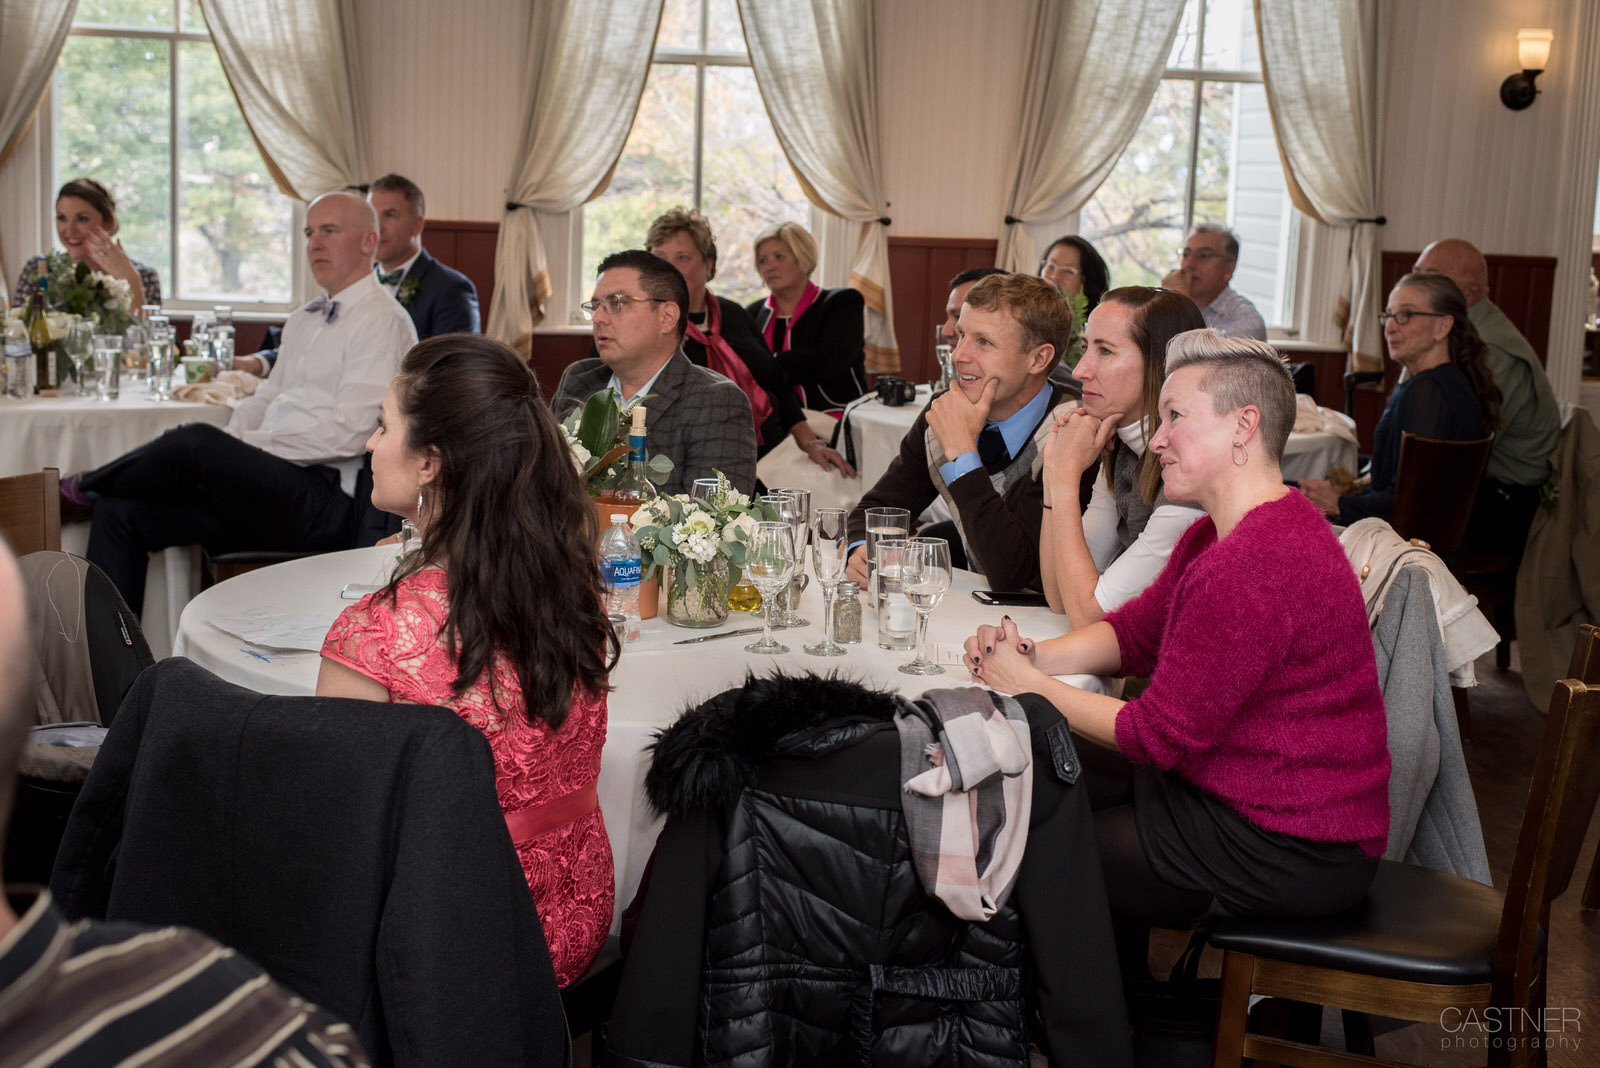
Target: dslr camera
{"type": "Point", "coordinates": [893, 391]}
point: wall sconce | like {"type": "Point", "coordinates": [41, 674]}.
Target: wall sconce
{"type": "Point", "coordinates": [1533, 52]}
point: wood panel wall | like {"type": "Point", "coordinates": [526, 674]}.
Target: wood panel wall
{"type": "Point", "coordinates": [920, 269]}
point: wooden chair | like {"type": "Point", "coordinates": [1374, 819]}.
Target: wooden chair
{"type": "Point", "coordinates": [1425, 943]}
{"type": "Point", "coordinates": [30, 511]}
{"type": "Point", "coordinates": [1585, 668]}
{"type": "Point", "coordinates": [1435, 487]}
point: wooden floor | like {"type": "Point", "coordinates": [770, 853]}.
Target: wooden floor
{"type": "Point", "coordinates": [1500, 756]}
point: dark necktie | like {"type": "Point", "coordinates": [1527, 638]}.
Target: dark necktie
{"type": "Point", "coordinates": [328, 309]}
{"type": "Point", "coordinates": [992, 447]}
{"type": "Point", "coordinates": [392, 278]}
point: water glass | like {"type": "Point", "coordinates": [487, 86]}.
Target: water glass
{"type": "Point", "coordinates": [160, 348]}
{"type": "Point", "coordinates": [897, 619]}
{"type": "Point", "coordinates": [222, 346]}
{"type": "Point", "coordinates": [704, 489]}
{"type": "Point", "coordinates": [883, 523]}
{"type": "Point", "coordinates": [108, 366]}
{"type": "Point", "coordinates": [924, 579]}
{"type": "Point", "coordinates": [796, 511]}
{"type": "Point", "coordinates": [78, 343]}
{"type": "Point", "coordinates": [769, 565]}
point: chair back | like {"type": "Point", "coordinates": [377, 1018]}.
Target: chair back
{"type": "Point", "coordinates": [1585, 665]}
{"type": "Point", "coordinates": [1561, 800]}
{"type": "Point", "coordinates": [30, 511]}
{"type": "Point", "coordinates": [1435, 488]}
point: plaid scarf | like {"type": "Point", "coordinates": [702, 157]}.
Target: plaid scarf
{"type": "Point", "coordinates": [967, 794]}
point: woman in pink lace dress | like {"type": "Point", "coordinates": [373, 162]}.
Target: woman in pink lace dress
{"type": "Point", "coordinates": [498, 617]}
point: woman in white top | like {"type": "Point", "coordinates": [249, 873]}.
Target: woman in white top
{"type": "Point", "coordinates": [1095, 558]}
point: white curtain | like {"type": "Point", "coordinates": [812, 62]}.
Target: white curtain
{"type": "Point", "coordinates": [31, 35]}
{"type": "Point", "coordinates": [1319, 59]}
{"type": "Point", "coordinates": [1093, 67]}
{"type": "Point", "coordinates": [815, 65]}
{"type": "Point", "coordinates": [589, 61]}
{"type": "Point", "coordinates": [294, 70]}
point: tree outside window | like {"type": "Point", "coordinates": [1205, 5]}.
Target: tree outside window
{"type": "Point", "coordinates": [701, 138]}
{"type": "Point", "coordinates": [1205, 152]}
{"type": "Point", "coordinates": [141, 104]}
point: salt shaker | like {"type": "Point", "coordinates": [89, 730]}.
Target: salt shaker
{"type": "Point", "coordinates": [847, 613]}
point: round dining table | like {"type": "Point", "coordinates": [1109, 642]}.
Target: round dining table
{"type": "Point", "coordinates": [261, 630]}
{"type": "Point", "coordinates": [74, 434]}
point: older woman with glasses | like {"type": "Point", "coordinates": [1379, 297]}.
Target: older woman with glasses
{"type": "Point", "coordinates": [1448, 392]}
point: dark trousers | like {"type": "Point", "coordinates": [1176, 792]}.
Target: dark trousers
{"type": "Point", "coordinates": [197, 484]}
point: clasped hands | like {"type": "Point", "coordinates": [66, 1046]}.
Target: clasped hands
{"type": "Point", "coordinates": [1076, 441]}
{"type": "Point", "coordinates": [1001, 658]}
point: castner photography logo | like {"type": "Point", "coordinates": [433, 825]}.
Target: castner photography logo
{"type": "Point", "coordinates": [1504, 1028]}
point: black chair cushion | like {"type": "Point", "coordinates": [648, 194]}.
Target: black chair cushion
{"type": "Point", "coordinates": [1416, 925]}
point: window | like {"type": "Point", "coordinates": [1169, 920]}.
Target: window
{"type": "Point", "coordinates": [1204, 153]}
{"type": "Point", "coordinates": [702, 139]}
{"type": "Point", "coordinates": [141, 105]}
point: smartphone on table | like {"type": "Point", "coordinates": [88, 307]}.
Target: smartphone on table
{"type": "Point", "coordinates": [1011, 598]}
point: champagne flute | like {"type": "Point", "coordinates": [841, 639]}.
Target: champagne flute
{"type": "Point", "coordinates": [798, 514]}
{"type": "Point", "coordinates": [924, 578]}
{"type": "Point", "coordinates": [829, 553]}
{"type": "Point", "coordinates": [769, 565]}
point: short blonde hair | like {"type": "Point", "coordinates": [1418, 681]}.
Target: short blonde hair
{"type": "Point", "coordinates": [794, 237]}
{"type": "Point", "coordinates": [681, 220]}
{"type": "Point", "coordinates": [1237, 371]}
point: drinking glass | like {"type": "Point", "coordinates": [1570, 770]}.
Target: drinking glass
{"type": "Point", "coordinates": [897, 620]}
{"type": "Point", "coordinates": [108, 366]}
{"type": "Point", "coordinates": [704, 489]}
{"type": "Point", "coordinates": [135, 357]}
{"type": "Point", "coordinates": [924, 578]}
{"type": "Point", "coordinates": [80, 336]}
{"type": "Point", "coordinates": [769, 565]}
{"type": "Point", "coordinates": [882, 523]}
{"type": "Point", "coordinates": [829, 553]}
{"type": "Point", "coordinates": [160, 351]}
{"type": "Point", "coordinates": [798, 515]}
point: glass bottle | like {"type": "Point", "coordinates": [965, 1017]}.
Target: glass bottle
{"type": "Point", "coordinates": [634, 483]}
{"type": "Point", "coordinates": [847, 613]}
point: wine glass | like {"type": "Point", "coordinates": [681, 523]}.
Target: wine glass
{"type": "Point", "coordinates": [704, 489]}
{"type": "Point", "coordinates": [924, 578]}
{"type": "Point", "coordinates": [829, 553]}
{"type": "Point", "coordinates": [80, 335]}
{"type": "Point", "coordinates": [769, 565]}
{"type": "Point", "coordinates": [797, 512]}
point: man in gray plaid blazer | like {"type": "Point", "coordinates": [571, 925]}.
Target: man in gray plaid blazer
{"type": "Point", "coordinates": [698, 419]}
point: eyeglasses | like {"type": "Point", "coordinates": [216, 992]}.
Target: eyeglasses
{"type": "Point", "coordinates": [616, 303]}
{"type": "Point", "coordinates": [1201, 254]}
{"type": "Point", "coordinates": [1070, 272]}
{"type": "Point", "coordinates": [1404, 316]}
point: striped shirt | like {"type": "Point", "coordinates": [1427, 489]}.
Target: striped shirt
{"type": "Point", "coordinates": [90, 993]}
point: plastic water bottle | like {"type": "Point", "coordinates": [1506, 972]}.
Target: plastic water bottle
{"type": "Point", "coordinates": [621, 568]}
{"type": "Point", "coordinates": [19, 360]}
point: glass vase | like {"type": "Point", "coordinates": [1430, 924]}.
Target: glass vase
{"type": "Point", "coordinates": [697, 594]}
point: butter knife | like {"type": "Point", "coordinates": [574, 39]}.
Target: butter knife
{"type": "Point", "coordinates": [719, 634]}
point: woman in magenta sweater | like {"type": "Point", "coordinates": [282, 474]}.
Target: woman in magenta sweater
{"type": "Point", "coordinates": [1253, 770]}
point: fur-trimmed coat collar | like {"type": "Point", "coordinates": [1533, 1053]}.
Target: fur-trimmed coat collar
{"type": "Point", "coordinates": [711, 753]}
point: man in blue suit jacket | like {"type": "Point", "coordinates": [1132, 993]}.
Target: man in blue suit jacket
{"type": "Point", "coordinates": [439, 300]}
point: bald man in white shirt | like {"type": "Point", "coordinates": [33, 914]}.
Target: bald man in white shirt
{"type": "Point", "coordinates": [282, 474]}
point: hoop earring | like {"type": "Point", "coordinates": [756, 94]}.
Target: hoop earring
{"type": "Point", "coordinates": [1241, 447]}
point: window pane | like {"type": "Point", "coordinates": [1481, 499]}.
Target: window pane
{"type": "Point", "coordinates": [1231, 36]}
{"type": "Point", "coordinates": [145, 14]}
{"type": "Point", "coordinates": [1184, 45]}
{"type": "Point", "coordinates": [1136, 219]}
{"type": "Point", "coordinates": [194, 20]}
{"type": "Point", "coordinates": [724, 31]}
{"type": "Point", "coordinates": [1240, 179]}
{"type": "Point", "coordinates": [234, 226]}
{"type": "Point", "coordinates": [680, 25]}
{"type": "Point", "coordinates": [113, 125]}
{"type": "Point", "coordinates": [749, 184]}
{"type": "Point", "coordinates": [656, 170]}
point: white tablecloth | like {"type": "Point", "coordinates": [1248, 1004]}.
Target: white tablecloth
{"type": "Point", "coordinates": [74, 434]}
{"type": "Point", "coordinates": [654, 680]}
{"type": "Point", "coordinates": [877, 431]}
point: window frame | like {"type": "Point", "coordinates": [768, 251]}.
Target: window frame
{"type": "Point", "coordinates": [178, 33]}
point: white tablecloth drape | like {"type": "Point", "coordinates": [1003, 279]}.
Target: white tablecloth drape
{"type": "Point", "coordinates": [654, 681]}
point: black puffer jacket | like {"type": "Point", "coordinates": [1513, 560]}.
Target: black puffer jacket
{"type": "Point", "coordinates": [782, 922]}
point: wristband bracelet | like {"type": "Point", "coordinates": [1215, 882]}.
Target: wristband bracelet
{"type": "Point", "coordinates": [814, 441]}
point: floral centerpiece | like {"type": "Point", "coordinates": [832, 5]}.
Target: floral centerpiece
{"type": "Point", "coordinates": [696, 543]}
{"type": "Point", "coordinates": [78, 289]}
{"type": "Point", "coordinates": [597, 435]}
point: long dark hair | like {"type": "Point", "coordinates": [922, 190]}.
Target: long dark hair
{"type": "Point", "coordinates": [1096, 275]}
{"type": "Point", "coordinates": [509, 520]}
{"type": "Point", "coordinates": [1466, 348]}
{"type": "Point", "coordinates": [1159, 315]}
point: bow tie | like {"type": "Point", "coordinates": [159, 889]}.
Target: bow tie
{"type": "Point", "coordinates": [392, 278]}
{"type": "Point", "coordinates": [328, 309]}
